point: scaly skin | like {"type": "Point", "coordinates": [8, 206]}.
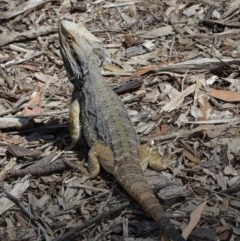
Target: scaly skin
{"type": "Point", "coordinates": [100, 113]}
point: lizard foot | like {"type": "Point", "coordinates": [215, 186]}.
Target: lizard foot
{"type": "Point", "coordinates": [97, 154]}
{"type": "Point", "coordinates": [78, 167]}
{"type": "Point", "coordinates": [149, 155]}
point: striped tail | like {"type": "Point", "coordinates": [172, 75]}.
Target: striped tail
{"type": "Point", "coordinates": [130, 176]}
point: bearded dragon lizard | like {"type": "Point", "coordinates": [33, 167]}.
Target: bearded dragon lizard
{"type": "Point", "coordinates": [98, 113]}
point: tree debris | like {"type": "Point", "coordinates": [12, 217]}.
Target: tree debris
{"type": "Point", "coordinates": [175, 65]}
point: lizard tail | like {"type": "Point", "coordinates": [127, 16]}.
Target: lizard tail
{"type": "Point", "coordinates": [129, 175]}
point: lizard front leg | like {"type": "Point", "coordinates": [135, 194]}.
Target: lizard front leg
{"type": "Point", "coordinates": [75, 127]}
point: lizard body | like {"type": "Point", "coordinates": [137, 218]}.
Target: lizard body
{"type": "Point", "coordinates": [100, 114]}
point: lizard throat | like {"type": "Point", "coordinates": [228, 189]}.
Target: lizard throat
{"type": "Point", "coordinates": [76, 70]}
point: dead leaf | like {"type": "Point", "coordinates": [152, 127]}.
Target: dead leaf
{"type": "Point", "coordinates": [34, 111]}
{"type": "Point", "coordinates": [143, 71]}
{"type": "Point", "coordinates": [205, 108]}
{"type": "Point", "coordinates": [9, 140]}
{"type": "Point", "coordinates": [112, 68]}
{"type": "Point", "coordinates": [229, 170]}
{"type": "Point", "coordinates": [131, 41]}
{"type": "Point", "coordinates": [35, 99]}
{"type": "Point", "coordinates": [225, 95]}
{"type": "Point", "coordinates": [194, 219]}
{"type": "Point", "coordinates": [43, 77]}
{"type": "Point", "coordinates": [19, 151]}
{"type": "Point", "coordinates": [17, 191]}
{"type": "Point", "coordinates": [177, 101]}
{"type": "Point", "coordinates": [191, 157]}
{"type": "Point", "coordinates": [164, 129]}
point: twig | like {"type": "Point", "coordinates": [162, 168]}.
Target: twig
{"type": "Point", "coordinates": [29, 34]}
{"type": "Point", "coordinates": [27, 213]}
{"type": "Point", "coordinates": [24, 7]}
{"type": "Point", "coordinates": [6, 78]}
{"type": "Point", "coordinates": [181, 133]}
{"type": "Point", "coordinates": [77, 230]}
{"type": "Point", "coordinates": [234, 189]}
{"type": "Point", "coordinates": [14, 61]}
{"type": "Point", "coordinates": [15, 123]}
{"type": "Point", "coordinates": [208, 15]}
{"type": "Point", "coordinates": [128, 86]}
{"type": "Point", "coordinates": [177, 30]}
{"type": "Point", "coordinates": [49, 113]}
{"type": "Point", "coordinates": [221, 193]}
{"type": "Point", "coordinates": [11, 111]}
{"type": "Point", "coordinates": [45, 166]}
{"type": "Point", "coordinates": [38, 170]}
{"type": "Point", "coordinates": [229, 25]}
{"type": "Point", "coordinates": [6, 94]}
{"type": "Point", "coordinates": [172, 45]}
{"type": "Point", "coordinates": [89, 187]}
{"type": "Point", "coordinates": [201, 64]}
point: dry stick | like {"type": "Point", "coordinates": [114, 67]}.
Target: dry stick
{"type": "Point", "coordinates": [220, 193]}
{"type": "Point", "coordinates": [234, 189]}
{"type": "Point", "coordinates": [228, 25]}
{"type": "Point", "coordinates": [45, 166]}
{"type": "Point", "coordinates": [16, 61]}
{"type": "Point", "coordinates": [30, 34]}
{"type": "Point", "coordinates": [177, 30]}
{"type": "Point", "coordinates": [6, 78]}
{"type": "Point", "coordinates": [128, 86]}
{"type": "Point", "coordinates": [38, 170]}
{"type": "Point", "coordinates": [181, 133]}
{"type": "Point", "coordinates": [8, 95]}
{"type": "Point", "coordinates": [21, 101]}
{"type": "Point", "coordinates": [27, 213]}
{"type": "Point", "coordinates": [49, 113]}
{"type": "Point", "coordinates": [21, 8]}
{"type": "Point", "coordinates": [209, 13]}
{"type": "Point", "coordinates": [77, 230]}
{"type": "Point", "coordinates": [171, 48]}
{"type": "Point", "coordinates": [11, 111]}
{"type": "Point", "coordinates": [15, 123]}
{"type": "Point", "coordinates": [201, 64]}
{"type": "Point", "coordinates": [89, 188]}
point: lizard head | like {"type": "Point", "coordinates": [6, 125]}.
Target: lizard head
{"type": "Point", "coordinates": [78, 46]}
{"type": "Point", "coordinates": [72, 53]}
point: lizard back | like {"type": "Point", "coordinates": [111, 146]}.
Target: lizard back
{"type": "Point", "coordinates": [108, 116]}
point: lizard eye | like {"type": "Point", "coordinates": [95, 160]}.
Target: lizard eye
{"type": "Point", "coordinates": [69, 38]}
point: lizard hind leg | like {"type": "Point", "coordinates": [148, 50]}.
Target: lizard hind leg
{"type": "Point", "coordinates": [100, 154]}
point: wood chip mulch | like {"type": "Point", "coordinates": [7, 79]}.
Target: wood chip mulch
{"type": "Point", "coordinates": [175, 64]}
